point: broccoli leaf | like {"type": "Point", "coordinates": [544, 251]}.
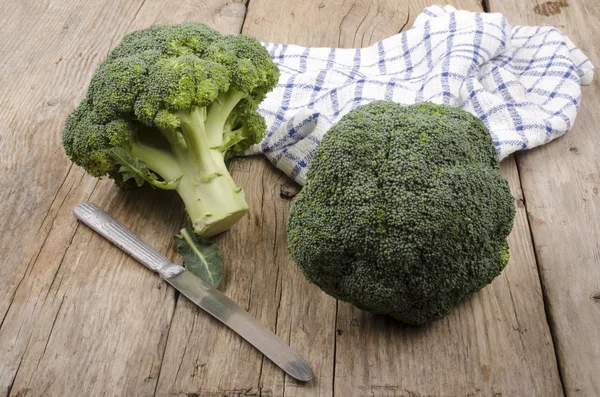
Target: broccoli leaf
{"type": "Point", "coordinates": [200, 256]}
{"type": "Point", "coordinates": [134, 168]}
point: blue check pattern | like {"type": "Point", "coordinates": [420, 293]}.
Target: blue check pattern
{"type": "Point", "coordinates": [524, 82]}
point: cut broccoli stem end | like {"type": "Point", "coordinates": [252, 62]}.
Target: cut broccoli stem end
{"type": "Point", "coordinates": [212, 199]}
{"type": "Point", "coordinates": [213, 206]}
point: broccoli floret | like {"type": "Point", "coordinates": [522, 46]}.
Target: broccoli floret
{"type": "Point", "coordinates": [168, 106]}
{"type": "Point", "coordinates": [404, 212]}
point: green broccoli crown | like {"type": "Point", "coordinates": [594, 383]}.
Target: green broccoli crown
{"type": "Point", "coordinates": [92, 145]}
{"type": "Point", "coordinates": [153, 73]}
{"type": "Point", "coordinates": [167, 106]}
{"type": "Point", "coordinates": [248, 62]}
{"type": "Point", "coordinates": [404, 212]}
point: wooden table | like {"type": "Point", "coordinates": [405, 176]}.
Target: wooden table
{"type": "Point", "coordinates": [79, 318]}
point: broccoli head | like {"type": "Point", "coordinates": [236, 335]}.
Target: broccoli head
{"type": "Point", "coordinates": [404, 212]}
{"type": "Point", "coordinates": [167, 107]}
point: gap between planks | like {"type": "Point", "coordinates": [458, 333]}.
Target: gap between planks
{"type": "Point", "coordinates": [542, 286]}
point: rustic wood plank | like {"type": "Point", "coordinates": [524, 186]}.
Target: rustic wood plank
{"type": "Point", "coordinates": [333, 23]}
{"type": "Point", "coordinates": [91, 332]}
{"type": "Point", "coordinates": [496, 343]}
{"type": "Point", "coordinates": [42, 74]}
{"type": "Point", "coordinates": [77, 317]}
{"type": "Point", "coordinates": [225, 16]}
{"type": "Point", "coordinates": [561, 181]}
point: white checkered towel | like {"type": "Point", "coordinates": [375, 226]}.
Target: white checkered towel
{"type": "Point", "coordinates": [522, 81]}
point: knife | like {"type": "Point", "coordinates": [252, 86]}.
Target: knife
{"type": "Point", "coordinates": [201, 293]}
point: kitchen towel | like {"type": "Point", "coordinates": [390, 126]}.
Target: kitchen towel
{"type": "Point", "coordinates": [524, 82]}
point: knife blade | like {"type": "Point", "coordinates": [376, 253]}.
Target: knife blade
{"type": "Point", "coordinates": [198, 291]}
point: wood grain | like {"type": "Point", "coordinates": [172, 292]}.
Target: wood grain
{"type": "Point", "coordinates": [334, 23]}
{"type": "Point", "coordinates": [77, 317]}
{"type": "Point", "coordinates": [561, 181]}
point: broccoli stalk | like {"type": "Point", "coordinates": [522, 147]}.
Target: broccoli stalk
{"type": "Point", "coordinates": [169, 105]}
{"type": "Point", "coordinates": [212, 199]}
{"type": "Point", "coordinates": [196, 164]}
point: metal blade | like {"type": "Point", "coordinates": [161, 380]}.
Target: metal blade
{"type": "Point", "coordinates": [198, 291]}
{"type": "Point", "coordinates": [236, 318]}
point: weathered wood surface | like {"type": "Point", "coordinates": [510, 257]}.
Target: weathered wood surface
{"type": "Point", "coordinates": [561, 183]}
{"type": "Point", "coordinates": [78, 317]}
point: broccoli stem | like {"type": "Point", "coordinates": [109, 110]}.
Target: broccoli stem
{"type": "Point", "coordinates": [161, 162]}
{"type": "Point", "coordinates": [219, 113]}
{"type": "Point", "coordinates": [212, 199]}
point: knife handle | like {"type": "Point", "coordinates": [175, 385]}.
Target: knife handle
{"type": "Point", "coordinates": [97, 219]}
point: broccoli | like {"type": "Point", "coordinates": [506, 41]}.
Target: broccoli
{"type": "Point", "coordinates": [404, 212]}
{"type": "Point", "coordinates": [167, 107]}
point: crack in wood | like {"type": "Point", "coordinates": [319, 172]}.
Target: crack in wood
{"type": "Point", "coordinates": [72, 236]}
{"type": "Point", "coordinates": [360, 24]}
{"type": "Point", "coordinates": [10, 387]}
{"type": "Point", "coordinates": [186, 346]}
{"type": "Point", "coordinates": [262, 197]}
{"type": "Point", "coordinates": [342, 22]}
{"type": "Point", "coordinates": [519, 330]}
{"type": "Point", "coordinates": [133, 19]}
{"type": "Point", "coordinates": [335, 325]}
{"type": "Point", "coordinates": [35, 261]}
{"type": "Point", "coordinates": [112, 39]}
{"type": "Point", "coordinates": [30, 266]}
{"type": "Point", "coordinates": [247, 4]}
{"type": "Point", "coordinates": [54, 199]}
{"type": "Point", "coordinates": [485, 5]}
{"type": "Point", "coordinates": [50, 333]}
{"type": "Point", "coordinates": [405, 23]}
{"type": "Point", "coordinates": [260, 373]}
{"type": "Point", "coordinates": [547, 312]}
{"type": "Point", "coordinates": [251, 289]}
{"type": "Point", "coordinates": [175, 304]}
